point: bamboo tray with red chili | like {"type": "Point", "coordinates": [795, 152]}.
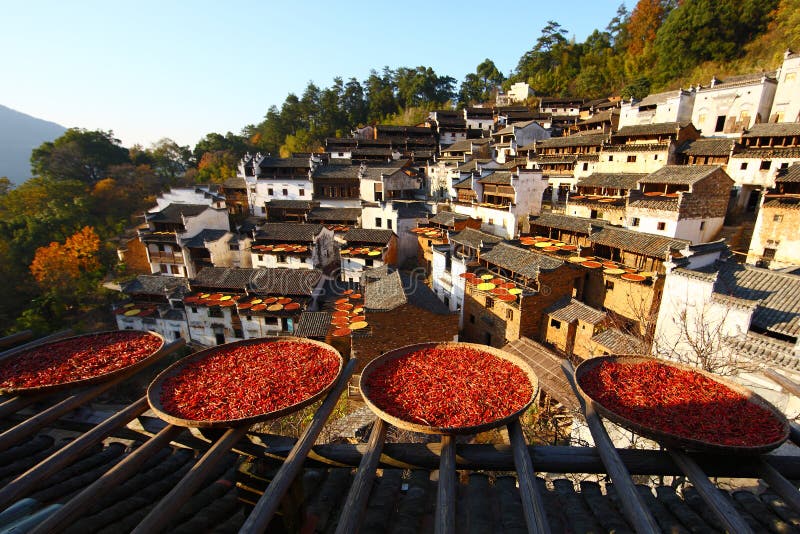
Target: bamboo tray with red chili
{"type": "Point", "coordinates": [681, 406]}
{"type": "Point", "coordinates": [78, 361]}
{"type": "Point", "coordinates": [448, 388]}
{"type": "Point", "coordinates": [244, 382]}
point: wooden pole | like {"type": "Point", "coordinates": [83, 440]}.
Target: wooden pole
{"type": "Point", "coordinates": [532, 505]}
{"type": "Point", "coordinates": [780, 484]}
{"type": "Point", "coordinates": [356, 503]}
{"type": "Point", "coordinates": [723, 509]}
{"type": "Point", "coordinates": [445, 522]}
{"type": "Point", "coordinates": [789, 385]}
{"type": "Point", "coordinates": [633, 507]}
{"type": "Point", "coordinates": [159, 517]}
{"type": "Point", "coordinates": [267, 505]}
{"type": "Point", "coordinates": [13, 339]}
{"type": "Point", "coordinates": [26, 482]}
{"type": "Point", "coordinates": [117, 475]}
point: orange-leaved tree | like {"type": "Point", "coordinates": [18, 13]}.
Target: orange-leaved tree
{"type": "Point", "coordinates": [67, 267]}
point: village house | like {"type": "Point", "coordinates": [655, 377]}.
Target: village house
{"type": "Point", "coordinates": [336, 219]}
{"type": "Point", "coordinates": [293, 246]}
{"type": "Point", "coordinates": [776, 237]}
{"type": "Point", "coordinates": [534, 282]}
{"type": "Point", "coordinates": [154, 303]}
{"type": "Point", "coordinates": [338, 184]}
{"type": "Point", "coordinates": [389, 181]}
{"type": "Point", "coordinates": [450, 127]}
{"type": "Point", "coordinates": [671, 106]}
{"type": "Point", "coordinates": [730, 106]}
{"type": "Point", "coordinates": [518, 92]}
{"type": "Point", "coordinates": [766, 150]}
{"type": "Point", "coordinates": [602, 196]}
{"type": "Point", "coordinates": [785, 104]}
{"type": "Point", "coordinates": [707, 151]}
{"type": "Point", "coordinates": [644, 148]}
{"type": "Point", "coordinates": [173, 227]}
{"type": "Point", "coordinates": [735, 319]}
{"type": "Point", "coordinates": [506, 141]}
{"type": "Point", "coordinates": [479, 118]}
{"type": "Point", "coordinates": [561, 106]}
{"type": "Point", "coordinates": [449, 167]}
{"type": "Point", "coordinates": [502, 200]}
{"type": "Point", "coordinates": [685, 202]}
{"type": "Point", "coordinates": [399, 216]}
{"type": "Point", "coordinates": [235, 191]}
{"type": "Point", "coordinates": [605, 121]}
{"type": "Point", "coordinates": [564, 159]}
{"type": "Point", "coordinates": [436, 231]}
{"type": "Point", "coordinates": [508, 115]}
{"type": "Point", "coordinates": [450, 261]}
{"type": "Point", "coordinates": [364, 249]}
{"type": "Point", "coordinates": [269, 178]}
{"type": "Point", "coordinates": [570, 325]}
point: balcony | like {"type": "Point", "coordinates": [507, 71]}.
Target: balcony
{"type": "Point", "coordinates": [167, 257]}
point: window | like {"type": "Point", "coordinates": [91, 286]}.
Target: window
{"type": "Point", "coordinates": [164, 268]}
{"type": "Point", "coordinates": [286, 192]}
{"type": "Point", "coordinates": [635, 221]}
{"type": "Point", "coordinates": [378, 222]}
{"type": "Point", "coordinates": [237, 332]}
{"type": "Point", "coordinates": [609, 285]}
{"type": "Point", "coordinates": [281, 258]}
{"type": "Point", "coordinates": [270, 191]}
{"type": "Point", "coordinates": [194, 309]}
{"type": "Point", "coordinates": [769, 253]}
{"type": "Point", "coordinates": [175, 269]}
{"type": "Point", "coordinates": [509, 314]}
{"type": "Point", "coordinates": [661, 225]}
{"type": "Point", "coordinates": [655, 157]}
{"type": "Point", "coordinates": [233, 246]}
{"type": "Point", "coordinates": [368, 262]}
{"type": "Point", "coordinates": [260, 257]}
{"type": "Point", "coordinates": [777, 218]}
{"type": "Point", "coordinates": [555, 324]}
{"type": "Point", "coordinates": [489, 303]}
{"type": "Point", "coordinates": [765, 165]}
{"type": "Point", "coordinates": [610, 158]}
{"type": "Point", "coordinates": [743, 166]}
{"type": "Point", "coordinates": [176, 334]}
{"type": "Point", "coordinates": [389, 224]}
{"type": "Point", "coordinates": [585, 166]}
{"type": "Point", "coordinates": [702, 225]}
{"type": "Point", "coordinates": [631, 159]}
{"type": "Point", "coordinates": [302, 192]}
{"type": "Point", "coordinates": [471, 318]}
{"type": "Point", "coordinates": [720, 123]}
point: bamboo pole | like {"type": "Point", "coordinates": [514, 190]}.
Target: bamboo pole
{"type": "Point", "coordinates": [268, 503]}
{"type": "Point", "coordinates": [353, 509]}
{"type": "Point", "coordinates": [445, 521]}
{"type": "Point", "coordinates": [13, 339]}
{"type": "Point", "coordinates": [532, 505]}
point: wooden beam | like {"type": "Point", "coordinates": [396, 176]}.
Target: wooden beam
{"type": "Point", "coordinates": [27, 482]}
{"type": "Point", "coordinates": [76, 506]}
{"type": "Point", "coordinates": [633, 507]}
{"type": "Point", "coordinates": [721, 507]}
{"type": "Point", "coordinates": [780, 484]}
{"type": "Point", "coordinates": [532, 505]}
{"type": "Point", "coordinates": [14, 339]}
{"type": "Point", "coordinates": [445, 521]}
{"type": "Point", "coordinates": [267, 505]}
{"type": "Point", "coordinates": [789, 385]}
{"type": "Point", "coordinates": [356, 503]}
{"type": "Point", "coordinates": [167, 507]}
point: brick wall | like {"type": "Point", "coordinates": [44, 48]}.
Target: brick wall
{"type": "Point", "coordinates": [635, 301]}
{"type": "Point", "coordinates": [709, 197]}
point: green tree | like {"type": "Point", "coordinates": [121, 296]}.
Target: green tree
{"type": "Point", "coordinates": [78, 154]}
{"type": "Point", "coordinates": [479, 86]}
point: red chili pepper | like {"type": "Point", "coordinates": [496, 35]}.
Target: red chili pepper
{"type": "Point", "coordinates": [76, 359]}
{"type": "Point", "coordinates": [249, 380]}
{"type": "Point", "coordinates": [449, 387]}
{"type": "Point", "coordinates": [680, 402]}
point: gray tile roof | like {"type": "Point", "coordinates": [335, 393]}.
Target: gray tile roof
{"type": "Point", "coordinates": [473, 238]}
{"type": "Point", "coordinates": [679, 174]}
{"type": "Point", "coordinates": [235, 183]}
{"type": "Point", "coordinates": [654, 246]}
{"type": "Point", "coordinates": [770, 129]}
{"type": "Point", "coordinates": [313, 324]}
{"type": "Point", "coordinates": [578, 225]}
{"type": "Point", "coordinates": [364, 235]}
{"type": "Point", "coordinates": [464, 184]}
{"type": "Point", "coordinates": [547, 366]}
{"type": "Point", "coordinates": [407, 209]}
{"type": "Point", "coordinates": [286, 231]}
{"type": "Point", "coordinates": [618, 180]}
{"type": "Point", "coordinates": [776, 294]}
{"type": "Point", "coordinates": [173, 213]}
{"type": "Point", "coordinates": [269, 163]}
{"type": "Point", "coordinates": [792, 174]}
{"type": "Point", "coordinates": [570, 310]}
{"type": "Point", "coordinates": [600, 117]}
{"type": "Point", "coordinates": [519, 260]}
{"type": "Point", "coordinates": [708, 146]}
{"type": "Point", "coordinates": [466, 145]}
{"type": "Point", "coordinates": [619, 343]}
{"type": "Point", "coordinates": [337, 172]}
{"type": "Point", "coordinates": [205, 236]}
{"type": "Point", "coordinates": [497, 177]}
{"type": "Point", "coordinates": [783, 202]}
{"type": "Point", "coordinates": [582, 139]}
{"type": "Point", "coordinates": [290, 204]}
{"type": "Point", "coordinates": [472, 164]}
{"type": "Point", "coordinates": [660, 128]}
{"type": "Point", "coordinates": [448, 218]}
{"type": "Point", "coordinates": [301, 282]}
{"type": "Point", "coordinates": [765, 349]}
{"type": "Point", "coordinates": [383, 293]}
{"type": "Point", "coordinates": [154, 284]}
{"type": "Point", "coordinates": [656, 203]}
{"type": "Point", "coordinates": [768, 152]}
{"type": "Point", "coordinates": [334, 214]}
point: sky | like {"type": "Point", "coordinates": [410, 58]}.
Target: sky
{"type": "Point", "coordinates": [181, 69]}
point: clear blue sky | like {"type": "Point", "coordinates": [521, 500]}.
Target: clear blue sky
{"type": "Point", "coordinates": [181, 69]}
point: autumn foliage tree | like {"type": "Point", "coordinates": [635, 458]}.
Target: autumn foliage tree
{"type": "Point", "coordinates": [70, 269]}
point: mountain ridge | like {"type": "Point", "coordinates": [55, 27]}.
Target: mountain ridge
{"type": "Point", "coordinates": [20, 133]}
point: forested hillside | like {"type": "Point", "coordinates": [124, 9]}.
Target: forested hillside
{"type": "Point", "coordinates": [56, 229]}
